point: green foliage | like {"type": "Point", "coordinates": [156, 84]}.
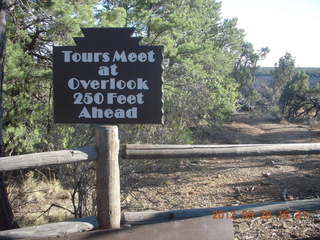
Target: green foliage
{"type": "Point", "coordinates": [24, 100]}
{"type": "Point", "coordinates": [298, 101]}
{"type": "Point", "coordinates": [116, 17]}
{"type": "Point", "coordinates": [283, 72]}
{"type": "Point", "coordinates": [292, 91]}
{"type": "Point", "coordinates": [298, 85]}
{"type": "Point", "coordinates": [33, 27]}
{"type": "Point", "coordinates": [245, 72]}
{"type": "Point", "coordinates": [201, 50]}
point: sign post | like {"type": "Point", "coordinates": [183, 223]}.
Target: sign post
{"type": "Point", "coordinates": [108, 78]}
{"type": "Point", "coordinates": [108, 177]}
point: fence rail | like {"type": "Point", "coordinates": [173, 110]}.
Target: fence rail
{"type": "Point", "coordinates": [34, 160]}
{"type": "Point", "coordinates": [150, 151]}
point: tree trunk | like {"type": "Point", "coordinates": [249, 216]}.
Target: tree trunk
{"type": "Point", "coordinates": [6, 215]}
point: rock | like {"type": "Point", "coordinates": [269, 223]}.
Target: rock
{"type": "Point", "coordinates": [266, 174]}
{"type": "Point", "coordinates": [270, 162]}
{"type": "Point", "coordinates": [292, 235]}
{"type": "Point", "coordinates": [316, 220]}
{"type": "Point", "coordinates": [284, 225]}
{"type": "Point", "coordinates": [266, 183]}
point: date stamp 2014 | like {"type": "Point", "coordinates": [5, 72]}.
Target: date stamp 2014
{"type": "Point", "coordinates": [263, 214]}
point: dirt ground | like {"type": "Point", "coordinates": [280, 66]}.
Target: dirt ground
{"type": "Point", "coordinates": [199, 183]}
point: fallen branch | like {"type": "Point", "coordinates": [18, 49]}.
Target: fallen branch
{"type": "Point", "coordinates": [57, 206]}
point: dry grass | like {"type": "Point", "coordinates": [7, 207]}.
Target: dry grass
{"type": "Point", "coordinates": [37, 200]}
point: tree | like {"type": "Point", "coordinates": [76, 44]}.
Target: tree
{"type": "Point", "coordinates": [291, 91]}
{"type": "Point", "coordinates": [298, 101]}
{"type": "Point", "coordinates": [6, 215]}
{"type": "Point", "coordinates": [33, 28]}
{"type": "Point", "coordinates": [283, 73]}
{"type": "Point", "coordinates": [201, 49]}
{"type": "Point", "coordinates": [245, 72]}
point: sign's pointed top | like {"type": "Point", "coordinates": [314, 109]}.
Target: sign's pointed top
{"type": "Point", "coordinates": [111, 37]}
{"type": "Point", "coordinates": [124, 32]}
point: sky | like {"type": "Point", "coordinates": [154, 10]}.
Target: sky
{"type": "Point", "coordinates": [282, 25]}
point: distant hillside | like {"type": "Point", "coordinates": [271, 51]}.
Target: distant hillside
{"type": "Point", "coordinates": [264, 77]}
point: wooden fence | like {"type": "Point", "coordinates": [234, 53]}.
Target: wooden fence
{"type": "Point", "coordinates": [106, 153]}
{"type": "Point", "coordinates": [151, 151]}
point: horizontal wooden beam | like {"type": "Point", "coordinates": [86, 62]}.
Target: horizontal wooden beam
{"type": "Point", "coordinates": [60, 229]}
{"type": "Point", "coordinates": [139, 218]}
{"type": "Point", "coordinates": [149, 151]}
{"type": "Point", "coordinates": [43, 159]}
{"type": "Point", "coordinates": [275, 208]}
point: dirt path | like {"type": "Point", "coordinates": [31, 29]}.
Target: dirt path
{"type": "Point", "coordinates": [219, 182]}
{"type": "Point", "coordinates": [246, 129]}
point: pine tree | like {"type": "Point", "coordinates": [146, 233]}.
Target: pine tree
{"type": "Point", "coordinates": [6, 215]}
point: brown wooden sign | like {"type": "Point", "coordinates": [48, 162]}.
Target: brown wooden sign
{"type": "Point", "coordinates": [107, 78]}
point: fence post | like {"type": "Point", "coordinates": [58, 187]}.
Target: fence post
{"type": "Point", "coordinates": [108, 177]}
